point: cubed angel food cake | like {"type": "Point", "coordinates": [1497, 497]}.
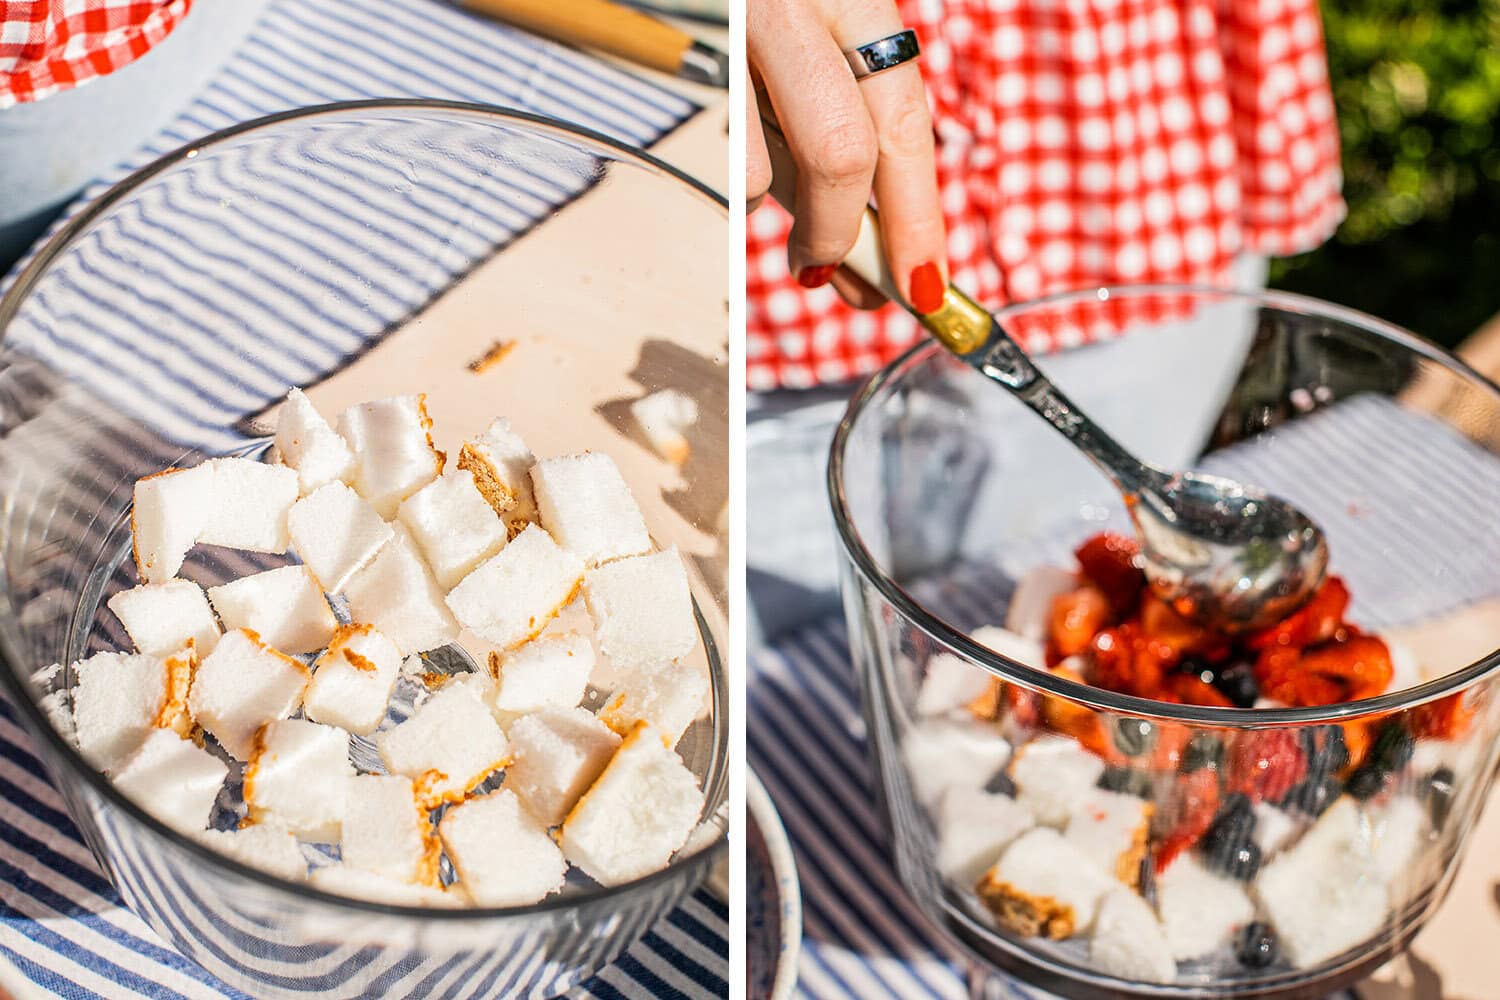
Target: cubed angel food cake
{"type": "Point", "coordinates": [1147, 849]}
{"type": "Point", "coordinates": [300, 703]}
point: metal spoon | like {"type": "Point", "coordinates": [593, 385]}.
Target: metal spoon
{"type": "Point", "coordinates": [1228, 555]}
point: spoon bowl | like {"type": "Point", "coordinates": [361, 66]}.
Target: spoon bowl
{"type": "Point", "coordinates": [1227, 554]}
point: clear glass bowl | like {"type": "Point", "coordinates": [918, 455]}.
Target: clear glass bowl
{"type": "Point", "coordinates": [360, 251]}
{"type": "Point", "coordinates": [946, 491]}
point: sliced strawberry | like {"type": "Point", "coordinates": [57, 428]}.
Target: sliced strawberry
{"type": "Point", "coordinates": [1024, 706]}
{"type": "Point", "coordinates": [1077, 617]}
{"type": "Point", "coordinates": [1445, 719]}
{"type": "Point", "coordinates": [1192, 690]}
{"type": "Point", "coordinates": [1162, 623]}
{"type": "Point", "coordinates": [1197, 802]}
{"type": "Point", "coordinates": [1359, 667]}
{"type": "Point", "coordinates": [1266, 764]}
{"type": "Point", "coordinates": [1314, 622]}
{"type": "Point", "coordinates": [1112, 563]}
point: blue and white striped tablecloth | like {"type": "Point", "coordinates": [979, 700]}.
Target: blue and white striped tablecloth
{"type": "Point", "coordinates": [61, 923]}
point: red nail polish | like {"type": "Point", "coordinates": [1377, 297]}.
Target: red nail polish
{"type": "Point", "coordinates": [927, 288]}
{"type": "Point", "coordinates": [817, 276]}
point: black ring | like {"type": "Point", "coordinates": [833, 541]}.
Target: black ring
{"type": "Point", "coordinates": [883, 53]}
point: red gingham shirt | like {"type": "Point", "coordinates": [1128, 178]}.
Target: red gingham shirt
{"type": "Point", "coordinates": [50, 45]}
{"type": "Point", "coordinates": [1084, 143]}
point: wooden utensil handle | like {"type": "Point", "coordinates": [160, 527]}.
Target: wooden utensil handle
{"type": "Point", "coordinates": [598, 24]}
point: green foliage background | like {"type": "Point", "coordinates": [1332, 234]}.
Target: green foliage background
{"type": "Point", "coordinates": [1417, 84]}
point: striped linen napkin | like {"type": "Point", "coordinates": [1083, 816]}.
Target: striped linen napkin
{"type": "Point", "coordinates": [61, 923]}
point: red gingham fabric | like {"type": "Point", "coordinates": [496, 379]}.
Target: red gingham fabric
{"type": "Point", "coordinates": [1084, 143]}
{"type": "Point", "coordinates": [50, 45]}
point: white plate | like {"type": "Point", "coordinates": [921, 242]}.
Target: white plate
{"type": "Point", "coordinates": [773, 902]}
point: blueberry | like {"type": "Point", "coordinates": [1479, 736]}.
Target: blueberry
{"type": "Point", "coordinates": [1202, 751]}
{"type": "Point", "coordinates": [1000, 784]}
{"type": "Point", "coordinates": [1134, 737]}
{"type": "Point", "coordinates": [1335, 750]}
{"type": "Point", "coordinates": [1324, 748]}
{"type": "Point", "coordinates": [1366, 782]}
{"type": "Point", "coordinates": [1393, 747]}
{"type": "Point", "coordinates": [1313, 796]}
{"type": "Point", "coordinates": [1147, 881]}
{"type": "Point", "coordinates": [1236, 681]}
{"type": "Point", "coordinates": [1238, 861]}
{"type": "Point", "coordinates": [1126, 780]}
{"type": "Point", "coordinates": [1257, 945]}
{"type": "Point", "coordinates": [1437, 790]}
{"type": "Point", "coordinates": [1234, 820]}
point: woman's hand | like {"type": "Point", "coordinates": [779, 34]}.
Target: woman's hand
{"type": "Point", "coordinates": [848, 137]}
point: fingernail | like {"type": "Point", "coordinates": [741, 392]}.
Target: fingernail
{"type": "Point", "coordinates": [927, 288]}
{"type": "Point", "coordinates": [816, 276]}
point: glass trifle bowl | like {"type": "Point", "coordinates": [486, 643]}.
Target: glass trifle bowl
{"type": "Point", "coordinates": [1083, 789]}
{"type": "Point", "coordinates": [502, 264]}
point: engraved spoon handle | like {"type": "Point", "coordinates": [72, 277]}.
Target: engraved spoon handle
{"type": "Point", "coordinates": [1002, 360]}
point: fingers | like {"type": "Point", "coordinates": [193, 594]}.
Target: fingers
{"type": "Point", "coordinates": [911, 216]}
{"type": "Point", "coordinates": [757, 158]}
{"type": "Point", "coordinates": [827, 127]}
{"type": "Point", "coordinates": [905, 182]}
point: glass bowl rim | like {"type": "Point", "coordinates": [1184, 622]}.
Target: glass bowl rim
{"type": "Point", "coordinates": [1100, 699]}
{"type": "Point", "coordinates": [69, 756]}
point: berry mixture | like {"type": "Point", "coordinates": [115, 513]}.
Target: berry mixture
{"type": "Point", "coordinates": [1239, 851]}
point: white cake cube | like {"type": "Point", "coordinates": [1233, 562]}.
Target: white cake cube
{"type": "Point", "coordinates": [1110, 828]}
{"type": "Point", "coordinates": [974, 828]}
{"type": "Point", "coordinates": [670, 696]}
{"type": "Point", "coordinates": [1397, 832]}
{"type": "Point", "coordinates": [393, 451]}
{"type": "Point", "coordinates": [501, 464]}
{"type": "Point", "coordinates": [1030, 608]}
{"type": "Point", "coordinates": [120, 698]}
{"type": "Point", "coordinates": [951, 753]}
{"type": "Point", "coordinates": [296, 778]}
{"type": "Point", "coordinates": [1042, 886]}
{"type": "Point", "coordinates": [263, 846]}
{"type": "Point", "coordinates": [161, 617]}
{"type": "Point", "coordinates": [306, 443]}
{"type": "Point", "coordinates": [951, 683]}
{"type": "Point", "coordinates": [1200, 910]}
{"type": "Point", "coordinates": [448, 745]}
{"type": "Point", "coordinates": [556, 755]}
{"type": "Point", "coordinates": [643, 608]}
{"type": "Point", "coordinates": [502, 854]}
{"type": "Point", "coordinates": [664, 418]}
{"type": "Point", "coordinates": [1012, 645]}
{"type": "Point", "coordinates": [336, 532]}
{"type": "Point", "coordinates": [284, 606]}
{"type": "Point", "coordinates": [1051, 774]}
{"type": "Point", "coordinates": [1325, 894]}
{"type": "Point", "coordinates": [514, 594]}
{"type": "Point", "coordinates": [584, 503]}
{"type": "Point", "coordinates": [173, 779]}
{"type": "Point", "coordinates": [354, 883]}
{"type": "Point", "coordinates": [1128, 941]}
{"type": "Point", "coordinates": [386, 830]}
{"type": "Point", "coordinates": [551, 672]}
{"type": "Point", "coordinates": [397, 594]}
{"type": "Point", "coordinates": [168, 512]}
{"type": "Point", "coordinates": [638, 812]}
{"type": "Point", "coordinates": [352, 681]}
{"type": "Point", "coordinates": [453, 525]}
{"type": "Point", "coordinates": [242, 685]}
{"type": "Point", "coordinates": [1274, 828]}
{"type": "Point", "coordinates": [250, 504]}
